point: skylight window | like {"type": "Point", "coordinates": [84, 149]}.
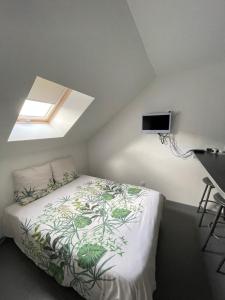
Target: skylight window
{"type": "Point", "coordinates": [49, 111]}
{"type": "Point", "coordinates": [33, 109]}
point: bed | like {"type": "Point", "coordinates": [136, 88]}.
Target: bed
{"type": "Point", "coordinates": [95, 235]}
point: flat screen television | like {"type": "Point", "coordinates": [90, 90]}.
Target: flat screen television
{"type": "Point", "coordinates": [156, 123]}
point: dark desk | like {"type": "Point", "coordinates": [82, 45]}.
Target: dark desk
{"type": "Point", "coordinates": [214, 164]}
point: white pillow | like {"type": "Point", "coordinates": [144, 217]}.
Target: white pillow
{"type": "Point", "coordinates": [63, 170]}
{"type": "Point", "coordinates": [32, 183]}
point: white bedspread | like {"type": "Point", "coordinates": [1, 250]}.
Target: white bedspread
{"type": "Point", "coordinates": [123, 264]}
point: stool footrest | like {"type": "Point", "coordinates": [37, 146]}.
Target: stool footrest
{"type": "Point", "coordinates": [219, 199]}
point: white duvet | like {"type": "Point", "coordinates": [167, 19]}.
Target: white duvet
{"type": "Point", "coordinates": [98, 236]}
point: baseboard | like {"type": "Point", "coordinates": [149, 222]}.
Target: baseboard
{"type": "Point", "coordinates": [180, 204]}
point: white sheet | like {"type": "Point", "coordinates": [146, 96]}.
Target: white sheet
{"type": "Point", "coordinates": [134, 271]}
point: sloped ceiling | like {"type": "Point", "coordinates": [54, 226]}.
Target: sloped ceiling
{"type": "Point", "coordinates": [92, 46]}
{"type": "Point", "coordinates": [180, 33]}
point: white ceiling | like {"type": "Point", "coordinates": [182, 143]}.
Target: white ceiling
{"type": "Point", "coordinates": [91, 46]}
{"type": "Point", "coordinates": [180, 33]}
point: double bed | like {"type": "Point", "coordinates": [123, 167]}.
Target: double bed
{"type": "Point", "coordinates": [95, 235]}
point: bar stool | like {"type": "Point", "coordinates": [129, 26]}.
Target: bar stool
{"type": "Point", "coordinates": [220, 266]}
{"type": "Point", "coordinates": [221, 202]}
{"type": "Point", "coordinates": [207, 191]}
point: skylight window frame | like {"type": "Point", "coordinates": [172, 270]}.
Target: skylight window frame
{"type": "Point", "coordinates": [49, 116]}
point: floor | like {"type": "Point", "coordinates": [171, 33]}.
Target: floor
{"type": "Point", "coordinates": [183, 271]}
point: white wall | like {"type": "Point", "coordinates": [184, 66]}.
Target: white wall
{"type": "Point", "coordinates": [121, 152]}
{"type": "Point", "coordinates": [180, 34]}
{"type": "Point", "coordinates": [18, 161]}
{"type": "Point", "coordinates": [74, 43]}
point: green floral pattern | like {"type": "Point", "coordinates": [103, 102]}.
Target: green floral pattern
{"type": "Point", "coordinates": [76, 237]}
{"type": "Point", "coordinates": [67, 178]}
{"type": "Point", "coordinates": [32, 193]}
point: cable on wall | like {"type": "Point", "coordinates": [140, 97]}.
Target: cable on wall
{"type": "Point", "coordinates": [169, 139]}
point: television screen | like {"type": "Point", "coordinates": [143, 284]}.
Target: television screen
{"type": "Point", "coordinates": [156, 123]}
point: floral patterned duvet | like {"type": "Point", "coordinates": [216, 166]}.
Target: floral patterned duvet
{"type": "Point", "coordinates": [94, 235]}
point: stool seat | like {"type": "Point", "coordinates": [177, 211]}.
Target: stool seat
{"type": "Point", "coordinates": [219, 199]}
{"type": "Point", "coordinates": [207, 181]}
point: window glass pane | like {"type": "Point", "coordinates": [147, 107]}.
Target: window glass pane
{"type": "Point", "coordinates": [35, 109]}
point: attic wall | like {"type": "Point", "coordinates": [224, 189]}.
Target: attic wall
{"type": "Point", "coordinates": [89, 46]}
{"type": "Point", "coordinates": [121, 152]}
{"type": "Point", "coordinates": [180, 34]}
{"type": "Point", "coordinates": [17, 161]}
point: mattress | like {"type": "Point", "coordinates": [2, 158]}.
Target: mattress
{"type": "Point", "coordinates": [95, 235]}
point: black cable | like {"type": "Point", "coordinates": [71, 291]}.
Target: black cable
{"type": "Point", "coordinates": [170, 140]}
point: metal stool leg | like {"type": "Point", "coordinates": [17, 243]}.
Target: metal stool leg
{"type": "Point", "coordinates": [220, 265]}
{"type": "Point", "coordinates": [213, 227]}
{"type": "Point", "coordinates": [2, 240]}
{"type": "Point", "coordinates": [202, 199]}
{"type": "Point", "coordinates": [205, 205]}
